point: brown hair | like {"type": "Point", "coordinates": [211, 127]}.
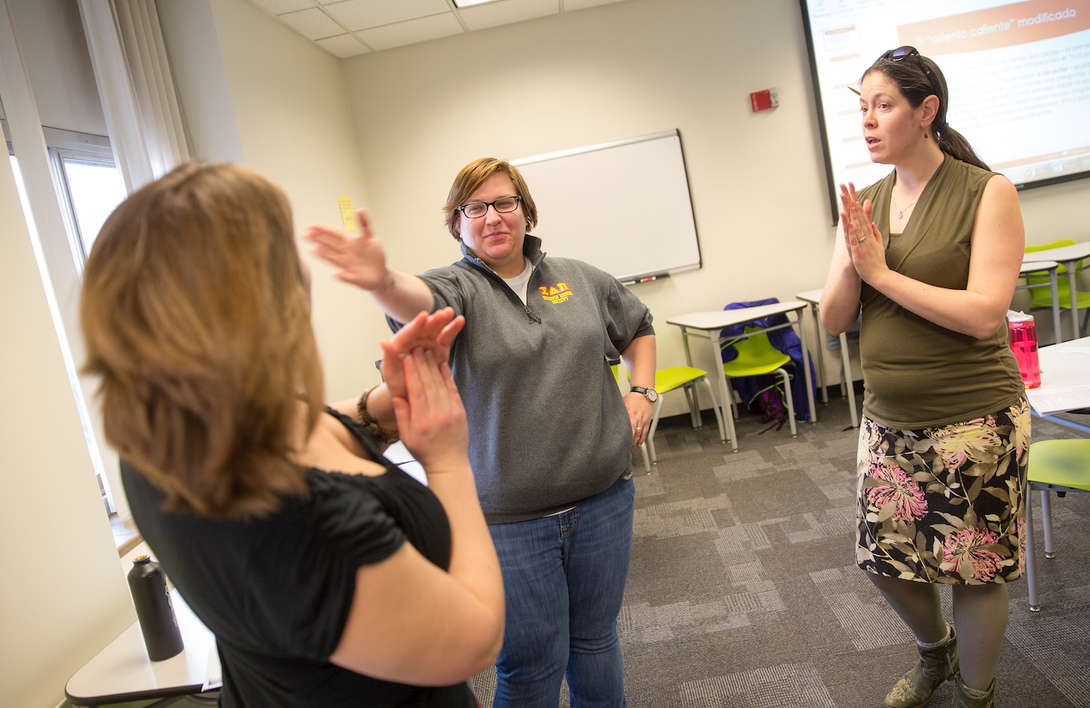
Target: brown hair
{"type": "Point", "coordinates": [473, 176]}
{"type": "Point", "coordinates": [197, 321]}
{"type": "Point", "coordinates": [912, 75]}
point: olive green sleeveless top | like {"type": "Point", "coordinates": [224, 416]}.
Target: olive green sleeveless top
{"type": "Point", "coordinates": [916, 373]}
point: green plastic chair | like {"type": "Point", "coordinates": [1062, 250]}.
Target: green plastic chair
{"type": "Point", "coordinates": [1059, 466]}
{"type": "Point", "coordinates": [686, 378]}
{"type": "Point", "coordinates": [757, 356]}
{"type": "Point", "coordinates": [1041, 298]}
{"type": "Point", "coordinates": [670, 379]}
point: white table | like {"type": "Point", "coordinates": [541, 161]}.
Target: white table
{"type": "Point", "coordinates": [1065, 382]}
{"type": "Point", "coordinates": [1047, 268]}
{"type": "Point", "coordinates": [1065, 386]}
{"type": "Point", "coordinates": [707, 325]}
{"type": "Point", "coordinates": [814, 298]}
{"type": "Point", "coordinates": [1068, 257]}
{"type": "Point", "coordinates": [123, 672]}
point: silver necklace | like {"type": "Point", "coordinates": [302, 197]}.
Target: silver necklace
{"type": "Point", "coordinates": [900, 211]}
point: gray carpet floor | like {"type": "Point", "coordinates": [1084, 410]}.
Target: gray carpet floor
{"type": "Point", "coordinates": [743, 590]}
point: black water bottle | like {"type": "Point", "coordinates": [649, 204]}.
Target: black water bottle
{"type": "Point", "coordinates": [148, 586]}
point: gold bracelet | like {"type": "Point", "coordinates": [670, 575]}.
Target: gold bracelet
{"type": "Point", "coordinates": [371, 425]}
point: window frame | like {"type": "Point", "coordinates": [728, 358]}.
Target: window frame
{"type": "Point", "coordinates": [86, 147]}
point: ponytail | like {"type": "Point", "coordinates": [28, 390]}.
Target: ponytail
{"type": "Point", "coordinates": [955, 145]}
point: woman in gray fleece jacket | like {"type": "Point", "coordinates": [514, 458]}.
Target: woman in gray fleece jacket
{"type": "Point", "coordinates": [550, 433]}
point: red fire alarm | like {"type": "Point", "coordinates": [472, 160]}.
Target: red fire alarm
{"type": "Point", "coordinates": [764, 99]}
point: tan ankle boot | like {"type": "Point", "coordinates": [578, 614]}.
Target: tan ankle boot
{"type": "Point", "coordinates": [936, 665]}
{"type": "Point", "coordinates": [963, 700]}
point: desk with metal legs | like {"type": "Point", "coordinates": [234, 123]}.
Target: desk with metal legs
{"type": "Point", "coordinates": [814, 298]}
{"type": "Point", "coordinates": [1044, 268]}
{"type": "Point", "coordinates": [1068, 257]}
{"type": "Point", "coordinates": [123, 672]}
{"type": "Point", "coordinates": [708, 325]}
{"type": "Point", "coordinates": [1065, 382]}
{"type": "Point", "coordinates": [1065, 386]}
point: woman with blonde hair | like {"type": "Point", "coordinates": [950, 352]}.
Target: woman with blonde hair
{"type": "Point", "coordinates": [328, 576]}
{"type": "Point", "coordinates": [931, 253]}
{"type": "Point", "coordinates": [551, 434]}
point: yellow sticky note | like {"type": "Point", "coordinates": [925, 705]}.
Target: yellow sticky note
{"type": "Point", "coordinates": [348, 214]}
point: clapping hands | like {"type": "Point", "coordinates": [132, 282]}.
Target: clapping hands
{"type": "Point", "coordinates": [430, 417]}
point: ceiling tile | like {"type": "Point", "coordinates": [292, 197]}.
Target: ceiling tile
{"type": "Point", "coordinates": [506, 12]}
{"type": "Point", "coordinates": [342, 46]}
{"type": "Point", "coordinates": [312, 24]}
{"type": "Point", "coordinates": [410, 32]}
{"type": "Point", "coordinates": [279, 7]}
{"type": "Point", "coordinates": [365, 14]}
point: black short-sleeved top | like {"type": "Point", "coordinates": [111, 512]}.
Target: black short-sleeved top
{"type": "Point", "coordinates": [276, 591]}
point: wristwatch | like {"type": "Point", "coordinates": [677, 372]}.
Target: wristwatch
{"type": "Point", "coordinates": [651, 394]}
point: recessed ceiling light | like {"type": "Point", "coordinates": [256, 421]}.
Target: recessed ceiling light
{"type": "Point", "coordinates": [470, 3]}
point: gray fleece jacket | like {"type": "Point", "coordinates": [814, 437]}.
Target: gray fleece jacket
{"type": "Point", "coordinates": [548, 427]}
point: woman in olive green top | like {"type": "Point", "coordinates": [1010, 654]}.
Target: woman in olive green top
{"type": "Point", "coordinates": [931, 254]}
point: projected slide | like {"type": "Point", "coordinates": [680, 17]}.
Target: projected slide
{"type": "Point", "coordinates": [1018, 75]}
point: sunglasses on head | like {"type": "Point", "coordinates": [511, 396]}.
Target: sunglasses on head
{"type": "Point", "coordinates": [900, 53]}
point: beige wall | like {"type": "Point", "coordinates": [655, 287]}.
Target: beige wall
{"type": "Point", "coordinates": [63, 598]}
{"type": "Point", "coordinates": [293, 118]}
{"type": "Point", "coordinates": [617, 71]}
{"type": "Point", "coordinates": [604, 74]}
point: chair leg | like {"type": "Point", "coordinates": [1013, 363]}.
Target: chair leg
{"type": "Point", "coordinates": [646, 462]}
{"type": "Point", "coordinates": [649, 441]}
{"type": "Point", "coordinates": [733, 405]}
{"type": "Point", "coordinates": [1046, 518]}
{"type": "Point", "coordinates": [1031, 556]}
{"type": "Point", "coordinates": [789, 399]}
{"type": "Point", "coordinates": [694, 404]}
{"type": "Point", "coordinates": [718, 412]}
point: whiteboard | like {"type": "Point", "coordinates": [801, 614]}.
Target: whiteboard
{"type": "Point", "coordinates": [622, 206]}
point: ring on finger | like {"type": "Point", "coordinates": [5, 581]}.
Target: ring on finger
{"type": "Point", "coordinates": [862, 239]}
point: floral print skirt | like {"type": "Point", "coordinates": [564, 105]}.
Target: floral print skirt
{"type": "Point", "coordinates": [945, 504]}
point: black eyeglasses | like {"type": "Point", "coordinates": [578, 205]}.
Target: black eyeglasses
{"type": "Point", "coordinates": [475, 210]}
{"type": "Point", "coordinates": [900, 53]}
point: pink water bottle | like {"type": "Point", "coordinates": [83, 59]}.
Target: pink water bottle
{"type": "Point", "coordinates": [1023, 338]}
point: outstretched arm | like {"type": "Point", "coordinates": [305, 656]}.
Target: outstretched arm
{"type": "Point", "coordinates": [362, 261]}
{"type": "Point", "coordinates": [998, 241]}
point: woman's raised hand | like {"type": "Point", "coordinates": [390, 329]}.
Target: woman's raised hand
{"type": "Point", "coordinates": [360, 258]}
{"type": "Point", "coordinates": [861, 237]}
{"type": "Point", "coordinates": [431, 419]}
{"type": "Point", "coordinates": [434, 333]}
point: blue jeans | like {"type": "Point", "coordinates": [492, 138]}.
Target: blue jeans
{"type": "Point", "coordinates": [564, 578]}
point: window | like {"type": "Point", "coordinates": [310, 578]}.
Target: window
{"type": "Point", "coordinates": [83, 166]}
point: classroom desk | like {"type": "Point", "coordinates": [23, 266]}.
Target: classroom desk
{"type": "Point", "coordinates": [1068, 257]}
{"type": "Point", "coordinates": [707, 325]}
{"type": "Point", "coordinates": [123, 672]}
{"type": "Point", "coordinates": [1065, 382]}
{"type": "Point", "coordinates": [1049, 269]}
{"type": "Point", "coordinates": [814, 298]}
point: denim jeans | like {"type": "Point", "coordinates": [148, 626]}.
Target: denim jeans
{"type": "Point", "coordinates": [564, 578]}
